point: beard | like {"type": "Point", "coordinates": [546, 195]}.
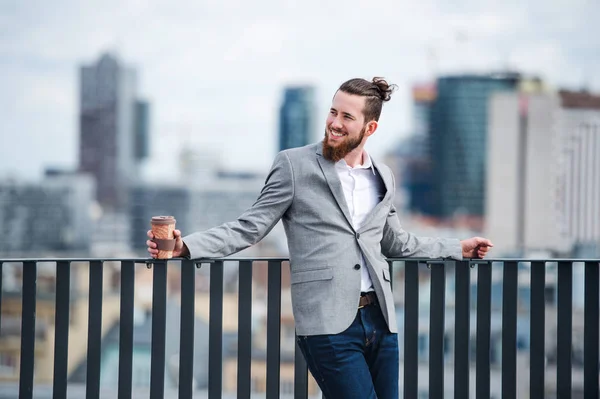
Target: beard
{"type": "Point", "coordinates": [339, 151]}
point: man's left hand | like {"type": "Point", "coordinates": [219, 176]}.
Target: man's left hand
{"type": "Point", "coordinates": [476, 247]}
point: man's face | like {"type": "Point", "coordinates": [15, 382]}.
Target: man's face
{"type": "Point", "coordinates": [345, 127]}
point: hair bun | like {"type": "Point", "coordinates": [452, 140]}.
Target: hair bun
{"type": "Point", "coordinates": [385, 90]}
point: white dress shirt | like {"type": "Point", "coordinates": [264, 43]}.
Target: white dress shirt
{"type": "Point", "coordinates": [363, 190]}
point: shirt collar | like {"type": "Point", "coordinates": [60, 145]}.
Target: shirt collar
{"type": "Point", "coordinates": [367, 163]}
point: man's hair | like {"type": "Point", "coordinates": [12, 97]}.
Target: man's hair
{"type": "Point", "coordinates": [376, 92]}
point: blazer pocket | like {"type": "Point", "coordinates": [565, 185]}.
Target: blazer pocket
{"type": "Point", "coordinates": [305, 276]}
{"type": "Point", "coordinates": [386, 274]}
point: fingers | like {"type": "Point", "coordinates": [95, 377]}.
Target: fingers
{"type": "Point", "coordinates": [483, 242]}
{"type": "Point", "coordinates": [151, 245]}
{"type": "Point", "coordinates": [177, 234]}
{"type": "Point", "coordinates": [153, 252]}
{"type": "Point", "coordinates": [482, 251]}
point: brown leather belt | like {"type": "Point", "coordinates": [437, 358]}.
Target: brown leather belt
{"type": "Point", "coordinates": [367, 298]}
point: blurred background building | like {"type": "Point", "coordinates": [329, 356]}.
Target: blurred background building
{"type": "Point", "coordinates": [297, 117]}
{"type": "Point", "coordinates": [113, 129]}
{"type": "Point", "coordinates": [53, 215]}
{"type": "Point", "coordinates": [459, 143]}
{"type": "Point", "coordinates": [543, 185]}
{"type": "Point", "coordinates": [195, 208]}
{"type": "Point", "coordinates": [412, 155]}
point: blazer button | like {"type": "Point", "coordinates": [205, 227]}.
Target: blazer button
{"type": "Point", "coordinates": [357, 236]}
{"type": "Point", "coordinates": [357, 267]}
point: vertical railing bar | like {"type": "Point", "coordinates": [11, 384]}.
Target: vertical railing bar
{"type": "Point", "coordinates": [462, 330]}
{"type": "Point", "coordinates": [244, 329]}
{"type": "Point", "coordinates": [482, 346]}
{"type": "Point", "coordinates": [186, 337]}
{"type": "Point", "coordinates": [28, 330]}
{"type": "Point", "coordinates": [94, 348]}
{"type": "Point", "coordinates": [300, 374]}
{"type": "Point", "coordinates": [273, 329]}
{"type": "Point", "coordinates": [509, 330]}
{"type": "Point", "coordinates": [1, 290]}
{"type": "Point", "coordinates": [590, 333]}
{"type": "Point", "coordinates": [61, 329]}
{"type": "Point", "coordinates": [126, 329]}
{"type": "Point", "coordinates": [537, 332]}
{"type": "Point", "coordinates": [411, 329]}
{"type": "Point", "coordinates": [436, 330]}
{"type": "Point", "coordinates": [159, 317]}
{"type": "Point", "coordinates": [564, 330]}
{"type": "Point", "coordinates": [215, 334]}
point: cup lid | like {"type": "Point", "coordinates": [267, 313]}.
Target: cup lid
{"type": "Point", "coordinates": [163, 220]}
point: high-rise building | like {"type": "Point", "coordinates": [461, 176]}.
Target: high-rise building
{"type": "Point", "coordinates": [543, 175]}
{"type": "Point", "coordinates": [578, 138]}
{"type": "Point", "coordinates": [459, 141]}
{"type": "Point", "coordinates": [296, 117]}
{"type": "Point", "coordinates": [414, 154]}
{"type": "Point", "coordinates": [113, 129]}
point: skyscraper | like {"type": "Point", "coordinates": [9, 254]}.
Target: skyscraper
{"type": "Point", "coordinates": [414, 153]}
{"type": "Point", "coordinates": [296, 117]}
{"type": "Point", "coordinates": [109, 129]}
{"type": "Point", "coordinates": [520, 211]}
{"type": "Point", "coordinates": [578, 138]}
{"type": "Point", "coordinates": [459, 139]}
{"type": "Point", "coordinates": [543, 173]}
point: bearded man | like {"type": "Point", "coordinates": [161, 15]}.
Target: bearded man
{"type": "Point", "coordinates": [337, 208]}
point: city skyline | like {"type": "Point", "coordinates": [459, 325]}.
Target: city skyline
{"type": "Point", "coordinates": [215, 77]}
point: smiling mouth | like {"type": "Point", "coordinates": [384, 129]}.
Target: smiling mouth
{"type": "Point", "coordinates": [336, 134]}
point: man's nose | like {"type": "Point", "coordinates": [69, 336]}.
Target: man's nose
{"type": "Point", "coordinates": [336, 123]}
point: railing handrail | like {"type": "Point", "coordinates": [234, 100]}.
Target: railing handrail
{"type": "Point", "coordinates": [285, 258]}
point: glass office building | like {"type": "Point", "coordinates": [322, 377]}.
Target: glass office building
{"type": "Point", "coordinates": [458, 131]}
{"type": "Point", "coordinates": [296, 117]}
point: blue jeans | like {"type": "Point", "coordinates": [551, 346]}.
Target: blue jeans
{"type": "Point", "coordinates": [361, 362]}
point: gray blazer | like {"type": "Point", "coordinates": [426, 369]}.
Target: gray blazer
{"type": "Point", "coordinates": [304, 190]}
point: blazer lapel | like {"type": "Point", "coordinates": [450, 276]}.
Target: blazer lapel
{"type": "Point", "coordinates": [333, 180]}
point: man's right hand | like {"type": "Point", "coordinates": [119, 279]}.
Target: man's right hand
{"type": "Point", "coordinates": [180, 248]}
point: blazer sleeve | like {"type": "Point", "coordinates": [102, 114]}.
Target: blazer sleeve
{"type": "Point", "coordinates": [255, 223]}
{"type": "Point", "coordinates": [398, 243]}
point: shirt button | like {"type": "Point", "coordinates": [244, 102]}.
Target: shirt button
{"type": "Point", "coordinates": [357, 267]}
{"type": "Point", "coordinates": [357, 236]}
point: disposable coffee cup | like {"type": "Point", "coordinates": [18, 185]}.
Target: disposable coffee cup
{"type": "Point", "coordinates": [163, 228]}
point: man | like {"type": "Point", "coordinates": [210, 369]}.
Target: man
{"type": "Point", "coordinates": [336, 204]}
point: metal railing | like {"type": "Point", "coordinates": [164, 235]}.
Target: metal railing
{"type": "Point", "coordinates": [438, 268]}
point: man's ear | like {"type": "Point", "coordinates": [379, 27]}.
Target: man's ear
{"type": "Point", "coordinates": [371, 127]}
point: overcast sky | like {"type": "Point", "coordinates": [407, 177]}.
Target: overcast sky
{"type": "Point", "coordinates": [214, 70]}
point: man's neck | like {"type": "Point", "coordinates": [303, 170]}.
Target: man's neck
{"type": "Point", "coordinates": [354, 157]}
